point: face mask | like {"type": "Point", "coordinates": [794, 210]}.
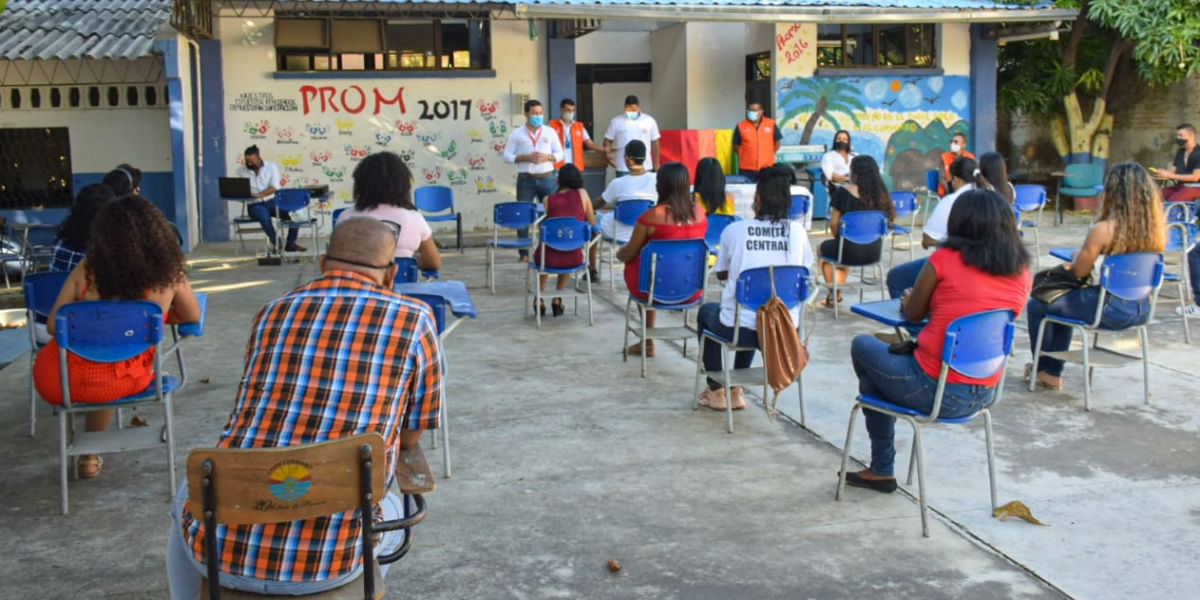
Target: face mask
{"type": "Point", "coordinates": [253, 166]}
{"type": "Point", "coordinates": [752, 115]}
{"type": "Point", "coordinates": [841, 146]}
{"type": "Point", "coordinates": [632, 115]}
{"type": "Point", "coordinates": [568, 117]}
{"type": "Point", "coordinates": [1180, 142]}
{"type": "Point", "coordinates": [536, 120]}
{"type": "Point", "coordinates": [955, 147]}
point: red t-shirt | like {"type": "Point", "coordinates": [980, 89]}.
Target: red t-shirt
{"type": "Point", "coordinates": [962, 290]}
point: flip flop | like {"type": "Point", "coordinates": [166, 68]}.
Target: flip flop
{"type": "Point", "coordinates": [95, 463]}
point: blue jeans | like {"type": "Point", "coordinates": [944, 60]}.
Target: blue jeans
{"type": "Point", "coordinates": [263, 212]}
{"type": "Point", "coordinates": [898, 379]}
{"type": "Point", "coordinates": [902, 277]}
{"type": "Point", "coordinates": [1079, 304]}
{"type": "Point", "coordinates": [709, 319]}
{"type": "Point", "coordinates": [1193, 260]}
{"type": "Point", "coordinates": [184, 572]}
{"type": "Point", "coordinates": [530, 189]}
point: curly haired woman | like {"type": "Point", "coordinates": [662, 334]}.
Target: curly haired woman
{"type": "Point", "coordinates": [383, 190]}
{"type": "Point", "coordinates": [1132, 221]}
{"type": "Point", "coordinates": [133, 255]}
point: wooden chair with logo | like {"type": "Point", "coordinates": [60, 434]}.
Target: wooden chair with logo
{"type": "Point", "coordinates": [273, 485]}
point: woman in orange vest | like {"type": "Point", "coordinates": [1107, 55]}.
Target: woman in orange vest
{"type": "Point", "coordinates": [574, 144]}
{"type": "Point", "coordinates": [757, 139]}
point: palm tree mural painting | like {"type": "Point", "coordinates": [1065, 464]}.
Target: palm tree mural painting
{"type": "Point", "coordinates": [825, 96]}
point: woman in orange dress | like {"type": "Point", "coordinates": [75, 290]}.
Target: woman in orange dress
{"type": "Point", "coordinates": [676, 217]}
{"type": "Point", "coordinates": [133, 255]}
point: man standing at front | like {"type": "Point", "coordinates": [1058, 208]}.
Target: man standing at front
{"type": "Point", "coordinates": [264, 182]}
{"type": "Point", "coordinates": [756, 139]}
{"type": "Point", "coordinates": [958, 149]}
{"type": "Point", "coordinates": [534, 148]}
{"type": "Point", "coordinates": [633, 125]}
{"type": "Point", "coordinates": [572, 135]}
{"type": "Point", "coordinates": [339, 356]}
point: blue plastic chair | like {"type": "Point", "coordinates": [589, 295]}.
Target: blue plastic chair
{"type": "Point", "coordinates": [1134, 276]}
{"type": "Point", "coordinates": [1030, 199]}
{"type": "Point", "coordinates": [907, 207]}
{"type": "Point", "coordinates": [932, 181]}
{"type": "Point", "coordinates": [408, 271]}
{"type": "Point", "coordinates": [737, 179]}
{"type": "Point", "coordinates": [291, 201]}
{"type": "Point", "coordinates": [625, 212]}
{"type": "Point", "coordinates": [793, 285]}
{"type": "Point", "coordinates": [717, 225]}
{"type": "Point", "coordinates": [1181, 238]}
{"type": "Point", "coordinates": [1083, 180]}
{"type": "Point", "coordinates": [801, 204]}
{"type": "Point", "coordinates": [112, 331]}
{"type": "Point", "coordinates": [976, 345]}
{"type": "Point", "coordinates": [436, 203]}
{"type": "Point", "coordinates": [508, 215]}
{"type": "Point", "coordinates": [672, 277]}
{"type": "Point", "coordinates": [563, 234]}
{"type": "Point", "coordinates": [1180, 212]}
{"type": "Point", "coordinates": [860, 227]}
{"type": "Point", "coordinates": [337, 214]}
{"type": "Point", "coordinates": [820, 191]}
{"type": "Point", "coordinates": [438, 307]}
{"type": "Point", "coordinates": [41, 290]}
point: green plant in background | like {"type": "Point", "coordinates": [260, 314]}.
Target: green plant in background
{"type": "Point", "coordinates": [1111, 43]}
{"type": "Point", "coordinates": [822, 95]}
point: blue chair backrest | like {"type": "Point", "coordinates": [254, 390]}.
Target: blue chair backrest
{"type": "Point", "coordinates": [565, 233]}
{"type": "Point", "coordinates": [905, 203]}
{"type": "Point", "coordinates": [437, 306]}
{"type": "Point", "coordinates": [737, 179]}
{"type": "Point", "coordinates": [863, 226]}
{"type": "Point", "coordinates": [108, 330]}
{"type": "Point", "coordinates": [628, 211]}
{"type": "Point", "coordinates": [716, 225]}
{"type": "Point", "coordinates": [754, 285]}
{"type": "Point", "coordinates": [1180, 212]}
{"type": "Point", "coordinates": [978, 344]}
{"type": "Point", "coordinates": [931, 180]}
{"type": "Point", "coordinates": [1132, 276]}
{"type": "Point", "coordinates": [41, 290]}
{"type": "Point", "coordinates": [407, 271]}
{"type": "Point", "coordinates": [678, 269]}
{"type": "Point", "coordinates": [1030, 196]}
{"type": "Point", "coordinates": [801, 204]}
{"type": "Point", "coordinates": [292, 199]}
{"type": "Point", "coordinates": [514, 215]}
{"type": "Point", "coordinates": [1083, 175]}
{"type": "Point", "coordinates": [337, 214]}
{"type": "Point", "coordinates": [434, 198]}
{"type": "Point", "coordinates": [1181, 236]}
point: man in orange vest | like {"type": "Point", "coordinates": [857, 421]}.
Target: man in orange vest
{"type": "Point", "coordinates": [958, 149]}
{"type": "Point", "coordinates": [756, 139]}
{"type": "Point", "coordinates": [574, 144]}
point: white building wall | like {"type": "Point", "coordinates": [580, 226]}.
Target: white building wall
{"type": "Point", "coordinates": [716, 75]}
{"type": "Point", "coordinates": [669, 70]}
{"type": "Point", "coordinates": [451, 131]}
{"type": "Point", "coordinates": [955, 51]}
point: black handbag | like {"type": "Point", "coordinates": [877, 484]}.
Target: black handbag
{"type": "Point", "coordinates": [1051, 284]}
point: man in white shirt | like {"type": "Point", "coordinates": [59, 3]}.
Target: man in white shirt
{"type": "Point", "coordinates": [901, 277]}
{"type": "Point", "coordinates": [633, 125]}
{"type": "Point", "coordinates": [264, 182]}
{"type": "Point", "coordinates": [534, 148]}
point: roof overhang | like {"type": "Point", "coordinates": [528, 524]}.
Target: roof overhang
{"type": "Point", "coordinates": [782, 13]}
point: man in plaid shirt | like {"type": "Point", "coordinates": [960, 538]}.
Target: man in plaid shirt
{"type": "Point", "coordinates": [339, 356]}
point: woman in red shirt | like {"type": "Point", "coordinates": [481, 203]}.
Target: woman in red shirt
{"type": "Point", "coordinates": [981, 266]}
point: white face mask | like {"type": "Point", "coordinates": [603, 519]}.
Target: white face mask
{"type": "Point", "coordinates": [632, 114]}
{"type": "Point", "coordinates": [955, 147]}
{"type": "Point", "coordinates": [567, 117]}
{"type": "Point", "coordinates": [752, 115]}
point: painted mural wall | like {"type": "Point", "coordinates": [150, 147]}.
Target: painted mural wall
{"type": "Point", "coordinates": [904, 122]}
{"type": "Point", "coordinates": [450, 131]}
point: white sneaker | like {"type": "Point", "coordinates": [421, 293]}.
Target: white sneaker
{"type": "Point", "coordinates": [1190, 310]}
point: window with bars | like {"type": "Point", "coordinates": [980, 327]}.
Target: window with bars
{"type": "Point", "coordinates": [329, 44]}
{"type": "Point", "coordinates": [899, 46]}
{"type": "Point", "coordinates": [35, 168]}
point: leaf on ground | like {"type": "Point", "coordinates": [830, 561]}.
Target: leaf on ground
{"type": "Point", "coordinates": [138, 421]}
{"type": "Point", "coordinates": [614, 566]}
{"type": "Point", "coordinates": [206, 380]}
{"type": "Point", "coordinates": [1017, 509]}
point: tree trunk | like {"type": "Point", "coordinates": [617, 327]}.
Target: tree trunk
{"type": "Point", "coordinates": [811, 123]}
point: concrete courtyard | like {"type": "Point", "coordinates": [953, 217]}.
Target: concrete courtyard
{"type": "Point", "coordinates": [565, 458]}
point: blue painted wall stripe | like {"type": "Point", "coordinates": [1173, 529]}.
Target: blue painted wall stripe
{"type": "Point", "coordinates": [214, 217]}
{"type": "Point", "coordinates": [984, 62]}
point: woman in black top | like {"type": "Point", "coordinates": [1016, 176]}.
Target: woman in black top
{"type": "Point", "coordinates": [866, 191]}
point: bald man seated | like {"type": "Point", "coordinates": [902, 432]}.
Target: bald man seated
{"type": "Point", "coordinates": [340, 356]}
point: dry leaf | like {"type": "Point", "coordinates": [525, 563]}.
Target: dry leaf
{"type": "Point", "coordinates": [138, 421]}
{"type": "Point", "coordinates": [1017, 509]}
{"type": "Point", "coordinates": [614, 566]}
{"type": "Point", "coordinates": [206, 380]}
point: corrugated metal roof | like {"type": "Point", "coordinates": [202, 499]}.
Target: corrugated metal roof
{"type": "Point", "coordinates": [49, 29]}
{"type": "Point", "coordinates": [905, 4]}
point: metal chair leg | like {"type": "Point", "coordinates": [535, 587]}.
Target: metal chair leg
{"type": "Point", "coordinates": [991, 456]}
{"type": "Point", "coordinates": [919, 446]}
{"type": "Point", "coordinates": [841, 485]}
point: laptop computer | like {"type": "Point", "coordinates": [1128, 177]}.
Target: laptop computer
{"type": "Point", "coordinates": [237, 188]}
{"type": "Point", "coordinates": [316, 191]}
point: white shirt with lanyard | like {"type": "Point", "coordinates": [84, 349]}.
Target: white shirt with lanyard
{"type": "Point", "coordinates": [542, 140]}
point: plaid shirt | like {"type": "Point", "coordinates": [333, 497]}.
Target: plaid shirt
{"type": "Point", "coordinates": [336, 357]}
{"type": "Point", "coordinates": [64, 258]}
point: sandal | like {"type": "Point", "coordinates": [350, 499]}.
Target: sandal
{"type": "Point", "coordinates": [541, 307]}
{"type": "Point", "coordinates": [88, 467]}
{"type": "Point", "coordinates": [556, 307]}
{"type": "Point", "coordinates": [828, 301]}
{"type": "Point", "coordinates": [1042, 384]}
{"type": "Point", "coordinates": [636, 349]}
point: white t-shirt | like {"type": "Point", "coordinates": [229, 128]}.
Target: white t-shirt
{"type": "Point", "coordinates": [413, 227]}
{"type": "Point", "coordinates": [753, 243]}
{"type": "Point", "coordinates": [629, 187]}
{"type": "Point", "coordinates": [833, 164]}
{"type": "Point", "coordinates": [622, 130]}
{"type": "Point", "coordinates": [267, 177]}
{"type": "Point", "coordinates": [938, 222]}
{"type": "Point", "coordinates": [543, 140]}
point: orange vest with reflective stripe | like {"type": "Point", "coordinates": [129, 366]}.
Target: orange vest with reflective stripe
{"type": "Point", "coordinates": [757, 150]}
{"type": "Point", "coordinates": [576, 142]}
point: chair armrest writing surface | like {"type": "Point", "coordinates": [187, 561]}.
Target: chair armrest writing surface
{"type": "Point", "coordinates": [196, 329]}
{"type": "Point", "coordinates": [455, 292]}
{"type": "Point", "coordinates": [884, 311]}
{"type": "Point", "coordinates": [1064, 254]}
{"type": "Point", "coordinates": [413, 474]}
